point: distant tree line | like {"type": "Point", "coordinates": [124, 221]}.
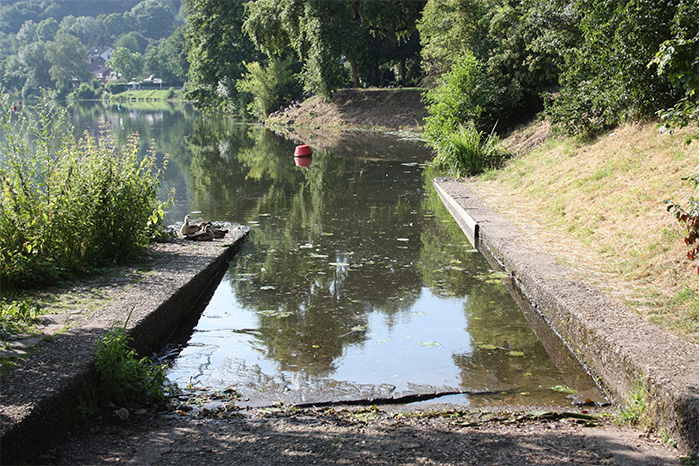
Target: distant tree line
{"type": "Point", "coordinates": [588, 64]}
{"type": "Point", "coordinates": [44, 45]}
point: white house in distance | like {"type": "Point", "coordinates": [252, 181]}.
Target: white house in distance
{"type": "Point", "coordinates": [97, 60]}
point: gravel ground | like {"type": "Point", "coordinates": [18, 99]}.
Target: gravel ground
{"type": "Point", "coordinates": [367, 435]}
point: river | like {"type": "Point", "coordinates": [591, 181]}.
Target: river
{"type": "Point", "coordinates": [355, 282]}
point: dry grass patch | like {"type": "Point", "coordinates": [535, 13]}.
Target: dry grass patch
{"type": "Point", "coordinates": [598, 207]}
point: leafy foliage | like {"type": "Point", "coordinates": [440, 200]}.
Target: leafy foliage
{"type": "Point", "coordinates": [38, 36]}
{"type": "Point", "coordinates": [607, 80]}
{"type": "Point", "coordinates": [85, 92]}
{"type": "Point", "coordinates": [328, 36]}
{"type": "Point", "coordinates": [467, 152]}
{"type": "Point", "coordinates": [67, 58]}
{"type": "Point", "coordinates": [517, 45]}
{"type": "Point", "coordinates": [128, 64]}
{"type": "Point", "coordinates": [69, 205]}
{"type": "Point", "coordinates": [269, 86]}
{"type": "Point", "coordinates": [687, 215]}
{"type": "Point", "coordinates": [463, 95]}
{"type": "Point", "coordinates": [217, 50]}
{"type": "Point", "coordinates": [126, 379]}
{"type": "Point", "coordinates": [636, 412]}
{"type": "Point", "coordinates": [17, 317]}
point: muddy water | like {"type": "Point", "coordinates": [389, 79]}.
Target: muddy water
{"type": "Point", "coordinates": [355, 282]}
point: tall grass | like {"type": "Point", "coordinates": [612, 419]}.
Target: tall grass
{"type": "Point", "coordinates": [68, 205]}
{"type": "Point", "coordinates": [467, 151]}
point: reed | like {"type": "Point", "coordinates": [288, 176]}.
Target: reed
{"type": "Point", "coordinates": [468, 152]}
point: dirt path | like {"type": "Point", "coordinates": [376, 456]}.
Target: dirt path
{"type": "Point", "coordinates": [354, 436]}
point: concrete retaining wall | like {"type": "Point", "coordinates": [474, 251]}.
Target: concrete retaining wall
{"type": "Point", "coordinates": [611, 342]}
{"type": "Point", "coordinates": [39, 400]}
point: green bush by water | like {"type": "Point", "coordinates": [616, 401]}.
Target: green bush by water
{"type": "Point", "coordinates": [124, 378]}
{"type": "Point", "coordinates": [69, 205]}
{"type": "Point", "coordinates": [467, 152]}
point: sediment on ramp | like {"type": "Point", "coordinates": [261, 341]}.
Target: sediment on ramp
{"type": "Point", "coordinates": [615, 345]}
{"type": "Point", "coordinates": [39, 399]}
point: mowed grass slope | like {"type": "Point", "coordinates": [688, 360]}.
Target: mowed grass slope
{"type": "Point", "coordinates": [597, 206]}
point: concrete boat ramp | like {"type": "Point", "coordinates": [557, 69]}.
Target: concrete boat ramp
{"type": "Point", "coordinates": [40, 398]}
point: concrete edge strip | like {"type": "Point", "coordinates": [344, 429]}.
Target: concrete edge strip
{"type": "Point", "coordinates": [53, 410]}
{"type": "Point", "coordinates": [609, 340]}
{"type": "Point", "coordinates": [468, 225]}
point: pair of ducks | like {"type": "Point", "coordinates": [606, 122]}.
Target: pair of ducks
{"type": "Point", "coordinates": [205, 231]}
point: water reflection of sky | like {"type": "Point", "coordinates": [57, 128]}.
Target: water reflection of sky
{"type": "Point", "coordinates": [355, 281]}
{"type": "Point", "coordinates": [415, 346]}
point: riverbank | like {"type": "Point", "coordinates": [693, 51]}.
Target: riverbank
{"type": "Point", "coordinates": [628, 356]}
{"type": "Point", "coordinates": [595, 205]}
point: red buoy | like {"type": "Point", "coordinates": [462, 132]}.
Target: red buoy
{"type": "Point", "coordinates": [302, 161]}
{"type": "Point", "coordinates": [302, 151]}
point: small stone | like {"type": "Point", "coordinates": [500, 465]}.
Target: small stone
{"type": "Point", "coordinates": [122, 413]}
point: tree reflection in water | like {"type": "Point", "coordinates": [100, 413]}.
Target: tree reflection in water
{"type": "Point", "coordinates": [353, 271]}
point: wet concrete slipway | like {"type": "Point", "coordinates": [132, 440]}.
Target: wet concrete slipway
{"type": "Point", "coordinates": [40, 399]}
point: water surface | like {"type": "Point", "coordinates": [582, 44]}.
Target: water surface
{"type": "Point", "coordinates": [354, 283]}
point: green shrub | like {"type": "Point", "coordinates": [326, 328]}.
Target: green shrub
{"type": "Point", "coordinates": [116, 88]}
{"type": "Point", "coordinates": [463, 95]}
{"type": "Point", "coordinates": [85, 92]}
{"type": "Point", "coordinates": [67, 206]}
{"type": "Point", "coordinates": [269, 86]}
{"type": "Point", "coordinates": [124, 378]}
{"type": "Point", "coordinates": [17, 317]}
{"type": "Point", "coordinates": [467, 152]}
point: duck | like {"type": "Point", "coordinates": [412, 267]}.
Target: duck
{"type": "Point", "coordinates": [207, 234]}
{"type": "Point", "coordinates": [218, 231]}
{"type": "Point", "coordinates": [188, 229]}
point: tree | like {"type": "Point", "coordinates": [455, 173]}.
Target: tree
{"type": "Point", "coordinates": [34, 65]}
{"type": "Point", "coordinates": [133, 41]}
{"type": "Point", "coordinates": [27, 33]}
{"type": "Point", "coordinates": [153, 18]}
{"type": "Point", "coordinates": [126, 63]}
{"type": "Point", "coordinates": [114, 25]}
{"type": "Point", "coordinates": [47, 29]}
{"type": "Point", "coordinates": [217, 49]}
{"type": "Point", "coordinates": [607, 79]}
{"type": "Point", "coordinates": [325, 35]}
{"type": "Point", "coordinates": [67, 57]}
{"type": "Point", "coordinates": [268, 85]}
{"type": "Point", "coordinates": [88, 30]}
{"type": "Point", "coordinates": [167, 59]}
{"type": "Point", "coordinates": [518, 44]}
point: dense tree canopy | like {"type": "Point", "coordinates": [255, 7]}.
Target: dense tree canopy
{"type": "Point", "coordinates": [590, 64]}
{"type": "Point", "coordinates": [328, 36]}
{"type": "Point", "coordinates": [608, 77]}
{"type": "Point", "coordinates": [67, 58]}
{"type": "Point", "coordinates": [217, 49]}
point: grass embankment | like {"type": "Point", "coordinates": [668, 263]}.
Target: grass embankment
{"type": "Point", "coordinates": [597, 206]}
{"type": "Point", "coordinates": [148, 95]}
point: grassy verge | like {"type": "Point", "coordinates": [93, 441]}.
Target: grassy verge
{"type": "Point", "coordinates": [148, 95]}
{"type": "Point", "coordinates": [598, 207]}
